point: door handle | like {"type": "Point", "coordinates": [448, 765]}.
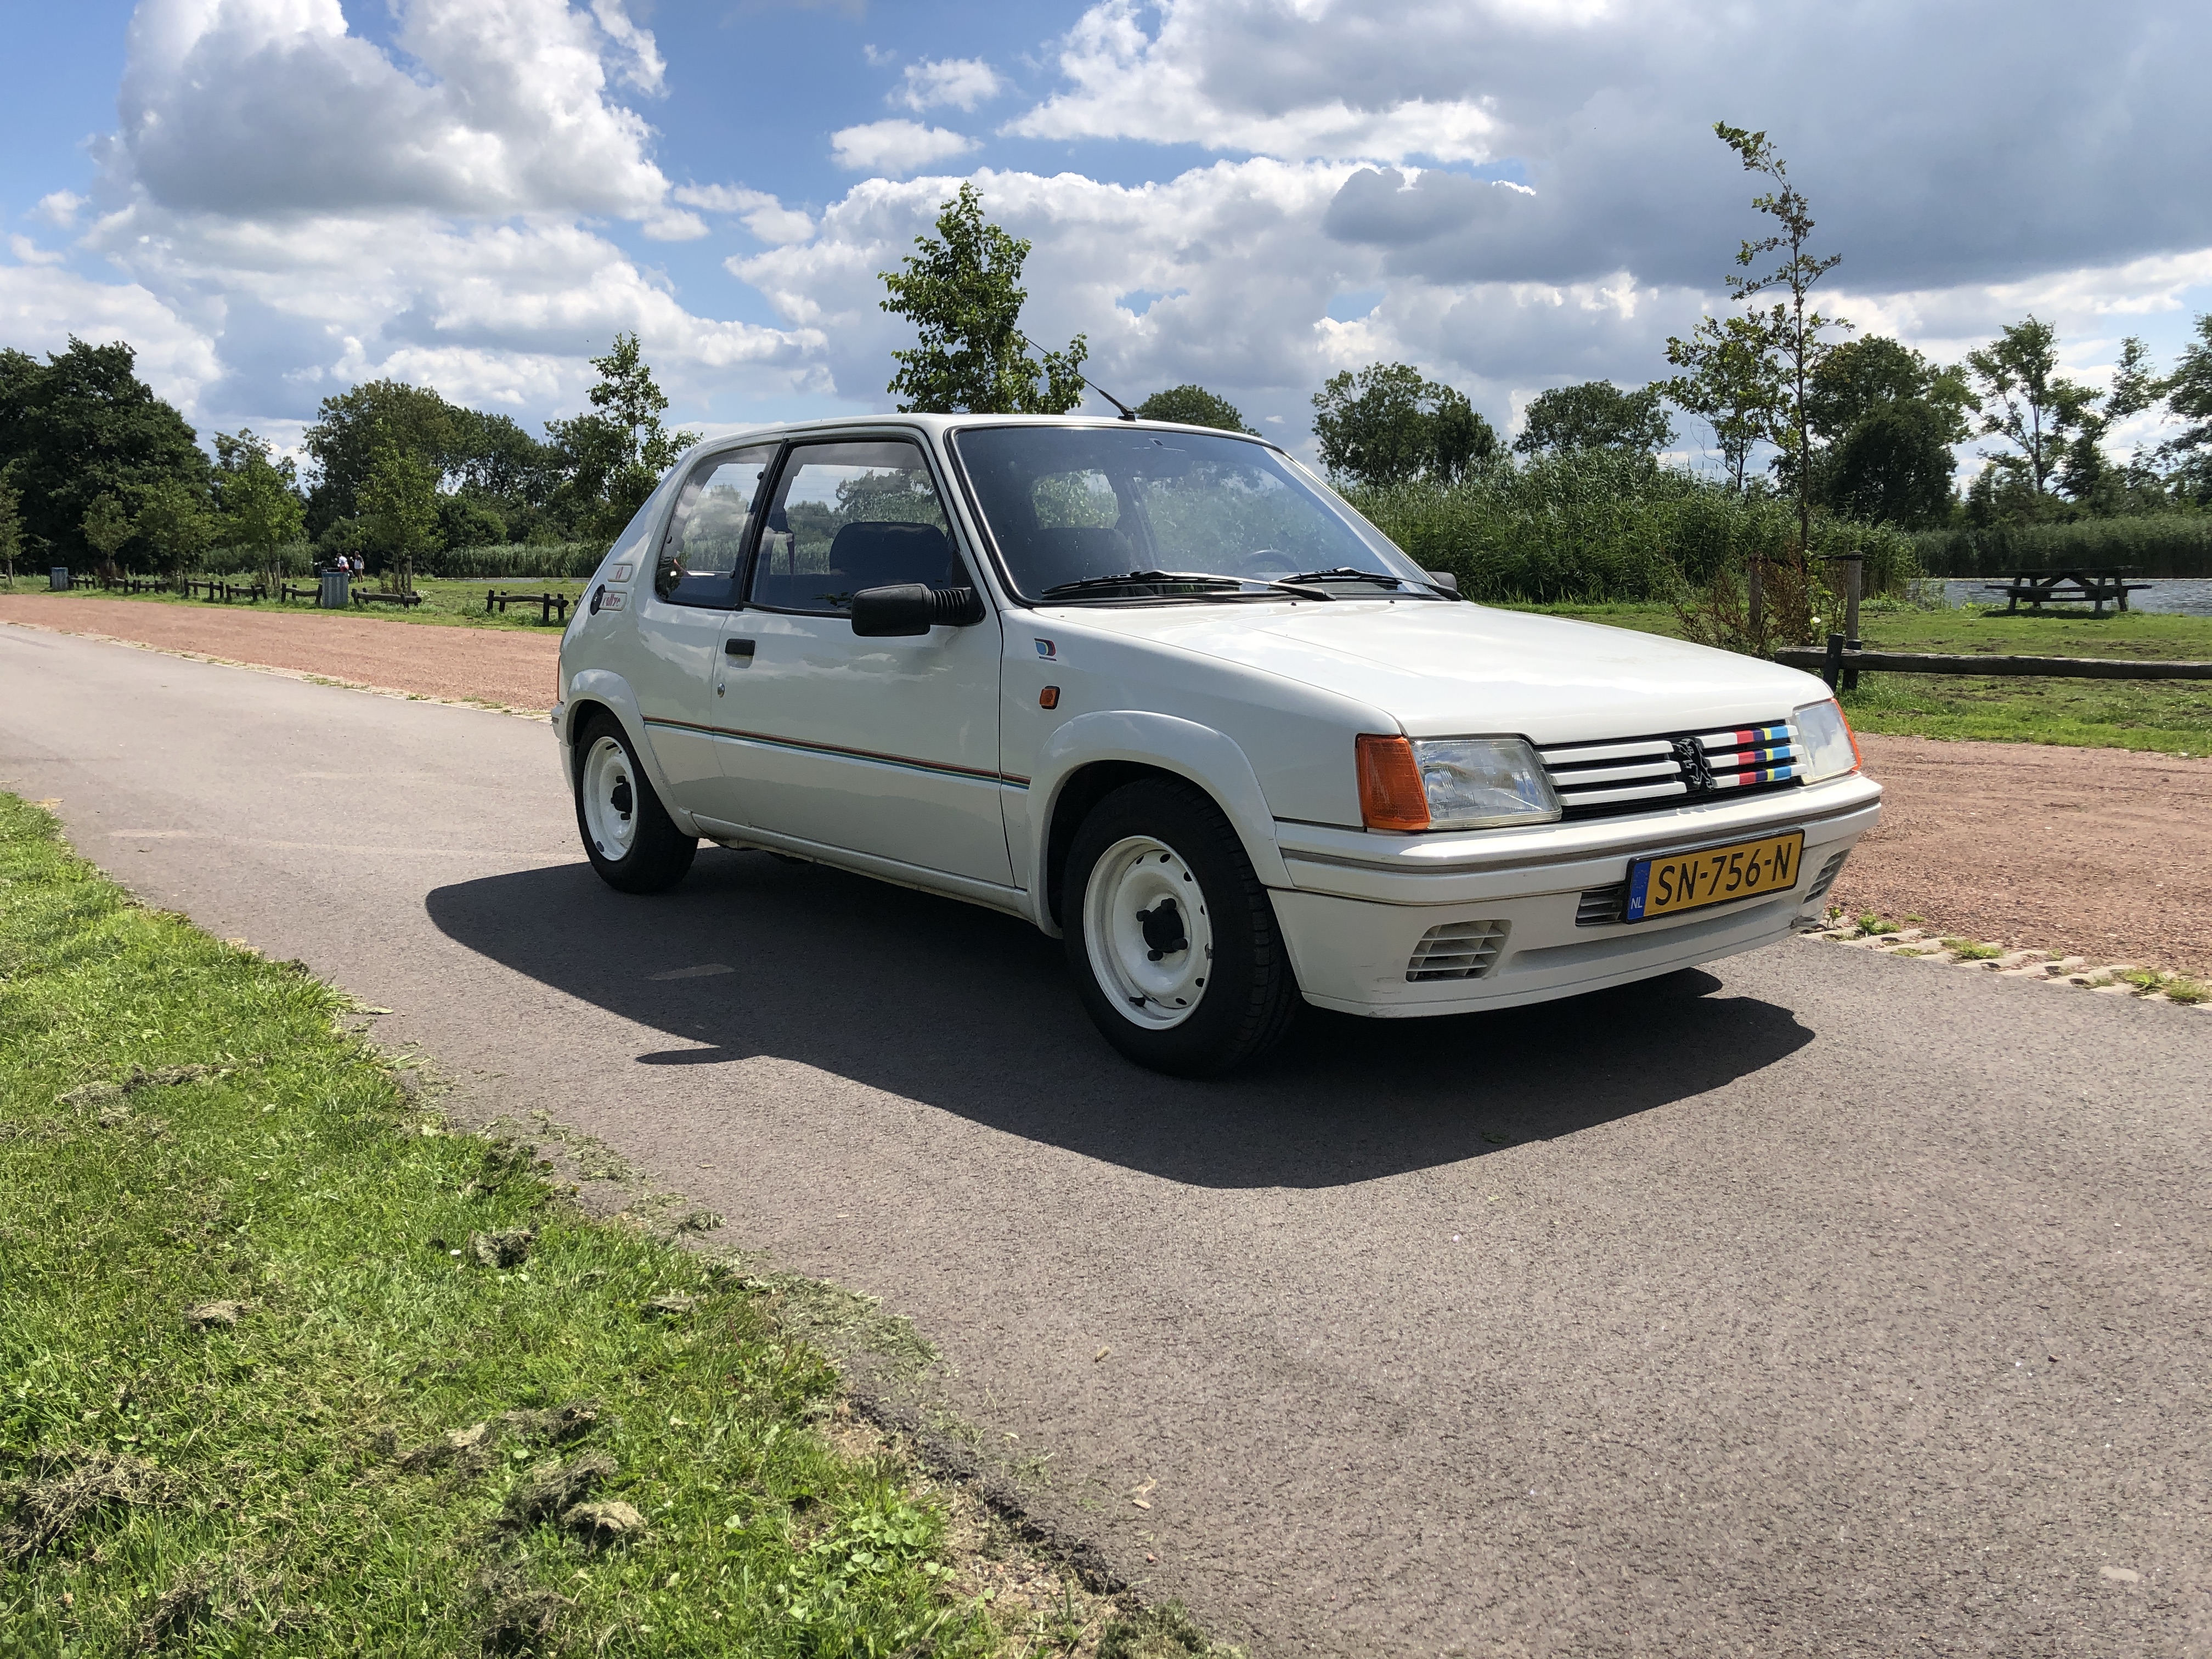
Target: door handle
{"type": "Point", "coordinates": [737, 648]}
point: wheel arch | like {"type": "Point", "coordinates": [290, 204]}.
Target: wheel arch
{"type": "Point", "coordinates": [1093, 754]}
{"type": "Point", "coordinates": [600, 691]}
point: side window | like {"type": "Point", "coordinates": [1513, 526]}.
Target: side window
{"type": "Point", "coordinates": [850, 516]}
{"type": "Point", "coordinates": [705, 544]}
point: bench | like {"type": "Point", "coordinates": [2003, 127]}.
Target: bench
{"type": "Point", "coordinates": [364, 596]}
{"type": "Point", "coordinates": [549, 605]}
{"type": "Point", "coordinates": [225, 591]}
{"type": "Point", "coordinates": [2037, 588]}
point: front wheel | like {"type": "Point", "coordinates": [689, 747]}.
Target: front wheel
{"type": "Point", "coordinates": [1170, 937]}
{"type": "Point", "coordinates": [627, 834]}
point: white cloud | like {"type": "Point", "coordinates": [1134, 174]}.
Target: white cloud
{"type": "Point", "coordinates": [41, 307]}
{"type": "Point", "coordinates": [962, 82]}
{"type": "Point", "coordinates": [896, 148]}
{"type": "Point", "coordinates": [673, 225]}
{"type": "Point", "coordinates": [30, 253]}
{"type": "Point", "coordinates": [59, 209]}
{"type": "Point", "coordinates": [761, 213]}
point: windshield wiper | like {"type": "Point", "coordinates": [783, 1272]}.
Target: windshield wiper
{"type": "Point", "coordinates": [1344, 573]}
{"type": "Point", "coordinates": [1206, 580]}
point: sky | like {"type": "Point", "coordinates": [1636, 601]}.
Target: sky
{"type": "Point", "coordinates": [274, 199]}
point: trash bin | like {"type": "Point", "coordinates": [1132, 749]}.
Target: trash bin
{"type": "Point", "coordinates": [58, 579]}
{"type": "Point", "coordinates": [335, 595]}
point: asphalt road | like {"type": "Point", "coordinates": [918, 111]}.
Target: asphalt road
{"type": "Point", "coordinates": [1820, 1303]}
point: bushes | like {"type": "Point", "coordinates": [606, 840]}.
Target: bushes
{"type": "Point", "coordinates": [2160, 544]}
{"type": "Point", "coordinates": [539, 560]}
{"type": "Point", "coordinates": [1598, 525]}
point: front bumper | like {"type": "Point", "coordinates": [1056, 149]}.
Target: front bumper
{"type": "Point", "coordinates": [1361, 904]}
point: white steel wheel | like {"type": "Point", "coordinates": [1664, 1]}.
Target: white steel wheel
{"type": "Point", "coordinates": [1147, 933]}
{"type": "Point", "coordinates": [608, 792]}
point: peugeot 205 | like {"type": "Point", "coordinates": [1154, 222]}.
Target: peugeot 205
{"type": "Point", "coordinates": [1161, 692]}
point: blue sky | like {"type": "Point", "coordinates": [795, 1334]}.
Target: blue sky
{"type": "Point", "coordinates": [274, 199]}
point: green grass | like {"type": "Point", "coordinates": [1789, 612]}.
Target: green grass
{"type": "Point", "coordinates": [183, 1124]}
{"type": "Point", "coordinates": [446, 603]}
{"type": "Point", "coordinates": [2171, 717]}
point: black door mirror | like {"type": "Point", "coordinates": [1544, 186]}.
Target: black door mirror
{"type": "Point", "coordinates": [908, 608]}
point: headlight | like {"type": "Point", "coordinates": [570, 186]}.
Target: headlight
{"type": "Point", "coordinates": [1452, 783]}
{"type": "Point", "coordinates": [1825, 737]}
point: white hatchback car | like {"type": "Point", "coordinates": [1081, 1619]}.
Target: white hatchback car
{"type": "Point", "coordinates": [1160, 691]}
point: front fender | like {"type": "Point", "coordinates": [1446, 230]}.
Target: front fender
{"type": "Point", "coordinates": [605, 687]}
{"type": "Point", "coordinates": [1207, 757]}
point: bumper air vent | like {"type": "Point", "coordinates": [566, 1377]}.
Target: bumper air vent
{"type": "Point", "coordinates": [1604, 778]}
{"type": "Point", "coordinates": [1827, 878]}
{"type": "Point", "coordinates": [1603, 906]}
{"type": "Point", "coordinates": [1457, 950]}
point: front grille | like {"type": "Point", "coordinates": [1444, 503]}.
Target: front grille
{"type": "Point", "coordinates": [1827, 878]}
{"type": "Point", "coordinates": [1457, 950]}
{"type": "Point", "coordinates": [1606, 777]}
{"type": "Point", "coordinates": [1602, 907]}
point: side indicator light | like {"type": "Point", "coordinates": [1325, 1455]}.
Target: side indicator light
{"type": "Point", "coordinates": [1390, 793]}
{"type": "Point", "coordinates": [1049, 697]}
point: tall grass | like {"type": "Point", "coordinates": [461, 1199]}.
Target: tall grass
{"type": "Point", "coordinates": [1596, 527]}
{"type": "Point", "coordinates": [2164, 544]}
{"type": "Point", "coordinates": [537, 559]}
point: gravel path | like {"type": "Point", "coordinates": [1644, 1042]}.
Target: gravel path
{"type": "Point", "coordinates": [2100, 852]}
{"type": "Point", "coordinates": [461, 665]}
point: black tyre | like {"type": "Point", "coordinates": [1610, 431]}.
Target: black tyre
{"type": "Point", "coordinates": [1170, 937]}
{"type": "Point", "coordinates": [627, 832]}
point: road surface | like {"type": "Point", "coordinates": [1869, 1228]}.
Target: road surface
{"type": "Point", "coordinates": [1820, 1303]}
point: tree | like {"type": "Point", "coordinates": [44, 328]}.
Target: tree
{"type": "Point", "coordinates": [256, 492]}
{"type": "Point", "coordinates": [105, 527]}
{"type": "Point", "coordinates": [399, 503]}
{"type": "Point", "coordinates": [962, 292]}
{"type": "Point", "coordinates": [1193, 405]}
{"type": "Point", "coordinates": [1597, 414]}
{"type": "Point", "coordinates": [174, 521]}
{"type": "Point", "coordinates": [11, 526]}
{"type": "Point", "coordinates": [82, 425]}
{"type": "Point", "coordinates": [352, 426]}
{"type": "Point", "coordinates": [1793, 335]}
{"type": "Point", "coordinates": [1387, 424]}
{"type": "Point", "coordinates": [1732, 383]}
{"type": "Point", "coordinates": [2087, 474]}
{"type": "Point", "coordinates": [2027, 403]}
{"type": "Point", "coordinates": [2188, 393]}
{"type": "Point", "coordinates": [1884, 419]}
{"type": "Point", "coordinates": [614, 457]}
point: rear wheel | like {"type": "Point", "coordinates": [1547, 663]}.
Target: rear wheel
{"type": "Point", "coordinates": [1170, 937]}
{"type": "Point", "coordinates": [627, 834]}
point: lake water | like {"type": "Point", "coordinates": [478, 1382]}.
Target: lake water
{"type": "Point", "coordinates": [2174, 596]}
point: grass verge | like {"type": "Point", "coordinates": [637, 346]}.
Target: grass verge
{"type": "Point", "coordinates": [286, 1367]}
{"type": "Point", "coordinates": [446, 603]}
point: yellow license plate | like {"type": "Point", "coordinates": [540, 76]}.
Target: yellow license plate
{"type": "Point", "coordinates": [1713, 875]}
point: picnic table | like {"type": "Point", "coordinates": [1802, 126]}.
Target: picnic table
{"type": "Point", "coordinates": [2037, 588]}
{"type": "Point", "coordinates": [549, 605]}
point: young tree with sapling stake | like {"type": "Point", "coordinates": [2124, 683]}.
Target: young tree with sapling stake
{"type": "Point", "coordinates": [11, 525]}
{"type": "Point", "coordinates": [1733, 382]}
{"type": "Point", "coordinates": [1193, 405]}
{"type": "Point", "coordinates": [174, 521]}
{"type": "Point", "coordinates": [254, 491]}
{"type": "Point", "coordinates": [399, 509]}
{"type": "Point", "coordinates": [105, 527]}
{"type": "Point", "coordinates": [1793, 333]}
{"type": "Point", "coordinates": [962, 292]}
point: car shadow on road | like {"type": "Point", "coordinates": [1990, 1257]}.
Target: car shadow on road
{"type": "Point", "coordinates": [972, 1013]}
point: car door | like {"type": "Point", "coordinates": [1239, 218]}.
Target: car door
{"type": "Point", "coordinates": [681, 616]}
{"type": "Point", "coordinates": [888, 747]}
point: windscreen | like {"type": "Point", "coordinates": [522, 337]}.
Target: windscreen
{"type": "Point", "coordinates": [1070, 505]}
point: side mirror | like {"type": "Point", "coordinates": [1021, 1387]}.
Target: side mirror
{"type": "Point", "coordinates": [910, 608]}
{"type": "Point", "coordinates": [1444, 579]}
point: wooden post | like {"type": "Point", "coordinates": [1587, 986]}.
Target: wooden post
{"type": "Point", "coordinates": [1831, 670]}
{"type": "Point", "coordinates": [1853, 564]}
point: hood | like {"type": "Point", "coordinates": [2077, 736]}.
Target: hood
{"type": "Point", "coordinates": [1465, 670]}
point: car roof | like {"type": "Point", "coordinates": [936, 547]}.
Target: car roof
{"type": "Point", "coordinates": [938, 425]}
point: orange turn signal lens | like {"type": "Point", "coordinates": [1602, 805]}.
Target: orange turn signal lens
{"type": "Point", "coordinates": [1390, 793]}
{"type": "Point", "coordinates": [1049, 697]}
{"type": "Point", "coordinates": [1858, 760]}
